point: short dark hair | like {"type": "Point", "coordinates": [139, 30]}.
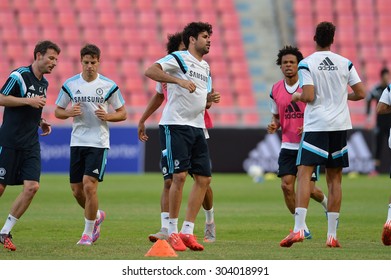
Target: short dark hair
{"type": "Point", "coordinates": [42, 47]}
{"type": "Point", "coordinates": [90, 49]}
{"type": "Point", "coordinates": [174, 41]}
{"type": "Point", "coordinates": [193, 29]}
{"type": "Point", "coordinates": [289, 50]}
{"type": "Point", "coordinates": [324, 35]}
{"type": "Point", "coordinates": [384, 71]}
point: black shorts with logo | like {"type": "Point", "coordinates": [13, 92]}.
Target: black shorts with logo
{"type": "Point", "coordinates": [87, 161]}
{"type": "Point", "coordinates": [17, 166]}
{"type": "Point", "coordinates": [328, 148]}
{"type": "Point", "coordinates": [184, 148]}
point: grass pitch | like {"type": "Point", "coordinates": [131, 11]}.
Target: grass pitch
{"type": "Point", "coordinates": [251, 219]}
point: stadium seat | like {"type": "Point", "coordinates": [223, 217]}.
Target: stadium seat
{"type": "Point", "coordinates": [250, 118]}
{"type": "Point", "coordinates": [164, 6]}
{"type": "Point", "coordinates": [104, 5]}
{"type": "Point", "coordinates": [147, 19]}
{"type": "Point", "coordinates": [343, 7]}
{"type": "Point", "coordinates": [5, 5]}
{"type": "Point", "coordinates": [227, 119]}
{"type": "Point", "coordinates": [87, 18]}
{"type": "Point", "coordinates": [66, 18]}
{"type": "Point", "coordinates": [20, 5]}
{"type": "Point", "coordinates": [31, 34]}
{"type": "Point", "coordinates": [71, 34]}
{"type": "Point", "coordinates": [10, 33]}
{"type": "Point", "coordinates": [127, 18]}
{"type": "Point", "coordinates": [184, 5]}
{"type": "Point", "coordinates": [107, 18]}
{"type": "Point", "coordinates": [26, 17]}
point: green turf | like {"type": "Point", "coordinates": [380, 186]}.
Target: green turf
{"type": "Point", "coordinates": [251, 220]}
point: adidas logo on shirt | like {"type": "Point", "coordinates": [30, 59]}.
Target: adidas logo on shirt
{"type": "Point", "coordinates": [327, 65]}
{"type": "Point", "coordinates": [32, 87]}
{"type": "Point", "coordinates": [96, 171]}
{"type": "Point", "coordinates": [293, 111]}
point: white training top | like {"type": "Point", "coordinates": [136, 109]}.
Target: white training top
{"type": "Point", "coordinates": [330, 74]}
{"type": "Point", "coordinates": [87, 129]}
{"type": "Point", "coordinates": [386, 99]}
{"type": "Point", "coordinates": [183, 107]}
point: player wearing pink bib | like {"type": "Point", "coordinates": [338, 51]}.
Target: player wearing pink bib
{"type": "Point", "coordinates": [288, 116]}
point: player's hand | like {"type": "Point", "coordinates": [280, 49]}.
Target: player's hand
{"type": "Point", "coordinates": [300, 130]}
{"type": "Point", "coordinates": [101, 113]}
{"type": "Point", "coordinates": [272, 127]}
{"type": "Point", "coordinates": [37, 101]}
{"type": "Point", "coordinates": [142, 136]}
{"type": "Point", "coordinates": [189, 85]}
{"type": "Point", "coordinates": [296, 96]}
{"type": "Point", "coordinates": [75, 110]}
{"type": "Point", "coordinates": [214, 97]}
{"type": "Point", "coordinates": [46, 127]}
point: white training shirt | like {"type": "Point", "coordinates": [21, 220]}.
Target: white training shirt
{"type": "Point", "coordinates": [87, 129]}
{"type": "Point", "coordinates": [183, 107]}
{"type": "Point", "coordinates": [386, 99]}
{"type": "Point", "coordinates": [330, 74]}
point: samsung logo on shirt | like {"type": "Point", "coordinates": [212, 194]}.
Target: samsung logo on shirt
{"type": "Point", "coordinates": [90, 99]}
{"type": "Point", "coordinates": [198, 76]}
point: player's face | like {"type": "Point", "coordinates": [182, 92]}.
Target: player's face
{"type": "Point", "coordinates": [289, 65]}
{"type": "Point", "coordinates": [90, 66]}
{"type": "Point", "coordinates": [202, 44]}
{"type": "Point", "coordinates": [47, 62]}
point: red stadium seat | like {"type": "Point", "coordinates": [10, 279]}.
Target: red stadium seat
{"type": "Point", "coordinates": [123, 5]}
{"type": "Point", "coordinates": [227, 119]}
{"type": "Point", "coordinates": [26, 17]}
{"type": "Point", "coordinates": [250, 118]}
{"type": "Point", "coordinates": [127, 19]}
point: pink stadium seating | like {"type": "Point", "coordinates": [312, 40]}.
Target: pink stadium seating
{"type": "Point", "coordinates": [131, 35]}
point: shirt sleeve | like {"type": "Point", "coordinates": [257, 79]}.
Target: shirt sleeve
{"type": "Point", "coordinates": [386, 96]}
{"type": "Point", "coordinates": [353, 76]}
{"type": "Point", "coordinates": [168, 63]}
{"type": "Point", "coordinates": [305, 77]}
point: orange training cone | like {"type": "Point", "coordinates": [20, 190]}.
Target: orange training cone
{"type": "Point", "coordinates": [161, 248]}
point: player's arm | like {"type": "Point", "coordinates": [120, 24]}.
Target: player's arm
{"type": "Point", "coordinates": [307, 96]}
{"type": "Point", "coordinates": [274, 124]}
{"type": "Point", "coordinates": [383, 108]}
{"type": "Point", "coordinates": [13, 101]}
{"type": "Point", "coordinates": [358, 92]}
{"type": "Point", "coordinates": [152, 106]}
{"type": "Point", "coordinates": [212, 97]}
{"type": "Point", "coordinates": [156, 73]}
{"type": "Point", "coordinates": [64, 113]}
{"type": "Point", "coordinates": [117, 116]}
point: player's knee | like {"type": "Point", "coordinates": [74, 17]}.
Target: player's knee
{"type": "Point", "coordinates": [287, 188]}
{"type": "Point", "coordinates": [31, 188]}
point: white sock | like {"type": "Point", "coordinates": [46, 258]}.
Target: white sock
{"type": "Point", "coordinates": [300, 215]}
{"type": "Point", "coordinates": [389, 213]}
{"type": "Point", "coordinates": [98, 215]}
{"type": "Point", "coordinates": [88, 227]}
{"type": "Point", "coordinates": [172, 226]}
{"type": "Point", "coordinates": [164, 216]}
{"type": "Point", "coordinates": [187, 227]}
{"type": "Point", "coordinates": [332, 221]}
{"type": "Point", "coordinates": [9, 224]}
{"type": "Point", "coordinates": [305, 225]}
{"type": "Point", "coordinates": [209, 215]}
{"type": "Point", "coordinates": [324, 203]}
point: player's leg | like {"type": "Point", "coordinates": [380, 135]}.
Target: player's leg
{"type": "Point", "coordinates": [164, 213]}
{"type": "Point", "coordinates": [210, 226]}
{"type": "Point", "coordinates": [338, 159]}
{"type": "Point", "coordinates": [316, 193]}
{"type": "Point", "coordinates": [334, 180]}
{"type": "Point", "coordinates": [386, 234]}
{"type": "Point", "coordinates": [288, 190]}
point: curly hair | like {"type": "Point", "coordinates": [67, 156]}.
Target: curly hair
{"type": "Point", "coordinates": [289, 50]}
{"type": "Point", "coordinates": [324, 35]}
{"type": "Point", "coordinates": [193, 29]}
{"type": "Point", "coordinates": [174, 41]}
